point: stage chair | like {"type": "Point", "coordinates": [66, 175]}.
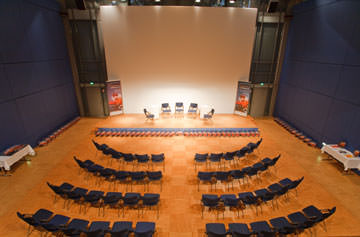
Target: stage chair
{"type": "Point", "coordinates": [179, 107]}
{"type": "Point", "coordinates": [193, 109]}
{"type": "Point", "coordinates": [148, 115]}
{"type": "Point", "coordinates": [210, 114]}
{"type": "Point", "coordinates": [165, 108]}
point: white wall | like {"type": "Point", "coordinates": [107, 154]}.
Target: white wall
{"type": "Point", "coordinates": [185, 54]}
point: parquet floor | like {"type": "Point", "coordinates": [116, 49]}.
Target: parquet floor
{"type": "Point", "coordinates": [325, 185]}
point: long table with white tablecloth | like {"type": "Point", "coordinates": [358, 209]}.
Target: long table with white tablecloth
{"type": "Point", "coordinates": [342, 155]}
{"type": "Point", "coordinates": [7, 161]}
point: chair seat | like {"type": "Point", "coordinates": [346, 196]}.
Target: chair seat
{"type": "Point", "coordinates": [260, 227]}
{"type": "Point", "coordinates": [143, 228]}
{"type": "Point", "coordinates": [239, 229]}
{"type": "Point", "coordinates": [120, 226]}
{"type": "Point", "coordinates": [216, 229]}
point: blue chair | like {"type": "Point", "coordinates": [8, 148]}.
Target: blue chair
{"type": "Point", "coordinates": [216, 158]}
{"type": "Point", "coordinates": [301, 221]}
{"type": "Point", "coordinates": [97, 229]}
{"type": "Point", "coordinates": [282, 226]}
{"type": "Point", "coordinates": [148, 115]}
{"type": "Point", "coordinates": [265, 196]}
{"type": "Point", "coordinates": [55, 224]}
{"type": "Point", "coordinates": [216, 230]}
{"type": "Point", "coordinates": [155, 176]}
{"type": "Point", "coordinates": [138, 177]}
{"type": "Point", "coordinates": [107, 174]}
{"type": "Point", "coordinates": [241, 153]}
{"type": "Point", "coordinates": [144, 229]}
{"type": "Point", "coordinates": [131, 200]}
{"type": "Point", "coordinates": [121, 229]}
{"type": "Point", "coordinates": [239, 230]}
{"type": "Point", "coordinates": [93, 198]}
{"type": "Point", "coordinates": [210, 114]}
{"type": "Point", "coordinates": [210, 201]}
{"type": "Point", "coordinates": [249, 199]}
{"type": "Point", "coordinates": [262, 228]}
{"type": "Point", "coordinates": [165, 108]}
{"type": "Point", "coordinates": [151, 200]}
{"type": "Point", "coordinates": [142, 159]}
{"type": "Point", "coordinates": [206, 177]}
{"type": "Point", "coordinates": [76, 196]}
{"type": "Point", "coordinates": [129, 159]}
{"type": "Point", "coordinates": [231, 202]}
{"type": "Point", "coordinates": [112, 200]}
{"type": "Point", "coordinates": [238, 175]}
{"type": "Point", "coordinates": [278, 189]}
{"type": "Point", "coordinates": [75, 227]}
{"type": "Point", "coordinates": [35, 220]}
{"type": "Point", "coordinates": [230, 156]}
{"type": "Point", "coordinates": [158, 159]}
{"type": "Point", "coordinates": [122, 177]}
{"type": "Point", "coordinates": [83, 164]}
{"type": "Point", "coordinates": [316, 215]}
{"type": "Point", "coordinates": [200, 159]}
{"type": "Point", "coordinates": [271, 162]}
{"type": "Point", "coordinates": [60, 190]}
{"type": "Point", "coordinates": [193, 109]}
{"type": "Point", "coordinates": [224, 177]}
{"type": "Point", "coordinates": [179, 107]}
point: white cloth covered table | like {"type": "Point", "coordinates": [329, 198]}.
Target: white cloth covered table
{"type": "Point", "coordinates": [7, 161]}
{"type": "Point", "coordinates": [344, 156]}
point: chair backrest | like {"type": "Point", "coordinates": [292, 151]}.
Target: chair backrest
{"type": "Point", "coordinates": [193, 105]}
{"type": "Point", "coordinates": [145, 112]}
{"type": "Point", "coordinates": [165, 105]}
{"type": "Point", "coordinates": [212, 112]}
{"type": "Point", "coordinates": [179, 104]}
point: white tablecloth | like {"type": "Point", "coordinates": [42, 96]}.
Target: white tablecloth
{"type": "Point", "coordinates": [7, 161]}
{"type": "Point", "coordinates": [342, 155]}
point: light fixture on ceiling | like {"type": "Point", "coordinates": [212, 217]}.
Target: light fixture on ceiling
{"type": "Point", "coordinates": [232, 1]}
{"type": "Point", "coordinates": [157, 0]}
{"type": "Point", "coordinates": [113, 2]}
{"type": "Point", "coordinates": [197, 1]}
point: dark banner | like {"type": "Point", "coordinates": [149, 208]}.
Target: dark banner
{"type": "Point", "coordinates": [114, 96]}
{"type": "Point", "coordinates": [242, 98]}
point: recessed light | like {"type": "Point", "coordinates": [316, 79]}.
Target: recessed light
{"type": "Point", "coordinates": [197, 1]}
{"type": "Point", "coordinates": [157, 0]}
{"type": "Point", "coordinates": [232, 1]}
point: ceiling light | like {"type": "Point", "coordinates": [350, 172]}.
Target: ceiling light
{"type": "Point", "coordinates": [197, 1]}
{"type": "Point", "coordinates": [157, 0]}
{"type": "Point", "coordinates": [113, 2]}
{"type": "Point", "coordinates": [232, 1]}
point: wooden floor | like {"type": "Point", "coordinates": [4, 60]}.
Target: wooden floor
{"type": "Point", "coordinates": [325, 185]}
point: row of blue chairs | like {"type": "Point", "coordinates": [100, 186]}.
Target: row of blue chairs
{"type": "Point", "coordinates": [255, 198]}
{"type": "Point", "coordinates": [46, 221]}
{"type": "Point", "coordinates": [244, 174]}
{"type": "Point", "coordinates": [130, 158]}
{"type": "Point", "coordinates": [120, 176]}
{"type": "Point", "coordinates": [295, 223]}
{"type": "Point", "coordinates": [96, 198]}
{"type": "Point", "coordinates": [169, 132]}
{"type": "Point", "coordinates": [206, 158]}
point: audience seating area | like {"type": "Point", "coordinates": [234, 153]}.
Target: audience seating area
{"type": "Point", "coordinates": [120, 176]}
{"type": "Point", "coordinates": [295, 223]}
{"type": "Point", "coordinates": [169, 132]}
{"type": "Point", "coordinates": [95, 198]}
{"type": "Point", "coordinates": [261, 196]}
{"type": "Point", "coordinates": [46, 221]}
{"type": "Point", "coordinates": [207, 159]}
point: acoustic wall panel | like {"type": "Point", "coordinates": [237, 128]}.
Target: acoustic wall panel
{"type": "Point", "coordinates": [319, 83]}
{"type": "Point", "coordinates": [36, 90]}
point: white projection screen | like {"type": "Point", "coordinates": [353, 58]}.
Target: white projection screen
{"type": "Point", "coordinates": [178, 54]}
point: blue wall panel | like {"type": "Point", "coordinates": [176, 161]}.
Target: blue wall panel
{"type": "Point", "coordinates": [36, 91]}
{"type": "Point", "coordinates": [319, 83]}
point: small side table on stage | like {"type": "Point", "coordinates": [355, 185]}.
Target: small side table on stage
{"type": "Point", "coordinates": [7, 161]}
{"type": "Point", "coordinates": [342, 155]}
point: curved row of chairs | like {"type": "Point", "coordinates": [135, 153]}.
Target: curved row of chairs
{"type": "Point", "coordinates": [244, 174]}
{"type": "Point", "coordinates": [120, 176]}
{"type": "Point", "coordinates": [130, 158]}
{"type": "Point", "coordinates": [295, 223]}
{"type": "Point", "coordinates": [46, 221]}
{"type": "Point", "coordinates": [95, 198]}
{"type": "Point", "coordinates": [169, 132]}
{"type": "Point", "coordinates": [206, 158]}
{"type": "Point", "coordinates": [255, 198]}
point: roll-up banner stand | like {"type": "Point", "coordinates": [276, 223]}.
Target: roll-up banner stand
{"type": "Point", "coordinates": [114, 95]}
{"type": "Point", "coordinates": [242, 99]}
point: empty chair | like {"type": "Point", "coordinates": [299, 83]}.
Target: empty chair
{"type": "Point", "coordinates": [294, 184]}
{"type": "Point", "coordinates": [231, 202]}
{"type": "Point", "coordinates": [97, 229]}
{"type": "Point", "coordinates": [144, 229]}
{"type": "Point", "coordinates": [216, 158]}
{"type": "Point", "coordinates": [165, 108]}
{"type": "Point", "coordinates": [278, 189]}
{"type": "Point", "coordinates": [206, 177]}
{"type": "Point", "coordinates": [282, 226]}
{"type": "Point", "coordinates": [317, 215]}
{"type": "Point", "coordinates": [300, 220]}
{"type": "Point", "coordinates": [249, 199]}
{"type": "Point", "coordinates": [210, 114]}
{"type": "Point", "coordinates": [142, 159]}
{"type": "Point", "coordinates": [122, 177]}
{"type": "Point", "coordinates": [76, 196]}
{"type": "Point", "coordinates": [239, 230]}
{"type": "Point", "coordinates": [93, 198]}
{"type": "Point", "coordinates": [179, 107]}
{"type": "Point", "coordinates": [262, 228]}
{"type": "Point", "coordinates": [129, 158]}
{"type": "Point", "coordinates": [265, 196]}
{"type": "Point", "coordinates": [271, 162]}
{"type": "Point", "coordinates": [242, 152]}
{"type": "Point", "coordinates": [151, 200]}
{"type": "Point", "coordinates": [230, 156]}
{"type": "Point", "coordinates": [60, 190]}
{"type": "Point", "coordinates": [138, 177]}
{"type": "Point", "coordinates": [158, 159]}
{"type": "Point", "coordinates": [211, 201]}
{"type": "Point", "coordinates": [148, 115]}
{"type": "Point", "coordinates": [200, 159]}
{"type": "Point", "coordinates": [238, 175]}
{"type": "Point", "coordinates": [112, 200]}
{"type": "Point", "coordinates": [155, 176]}
{"type": "Point", "coordinates": [216, 230]}
{"type": "Point", "coordinates": [55, 224]}
{"type": "Point", "coordinates": [107, 174]}
{"type": "Point", "coordinates": [83, 164]}
{"type": "Point", "coordinates": [193, 109]}
{"type": "Point", "coordinates": [75, 227]}
{"type": "Point", "coordinates": [223, 177]}
{"type": "Point", "coordinates": [121, 229]}
{"type": "Point", "coordinates": [35, 220]}
{"type": "Point", "coordinates": [131, 200]}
